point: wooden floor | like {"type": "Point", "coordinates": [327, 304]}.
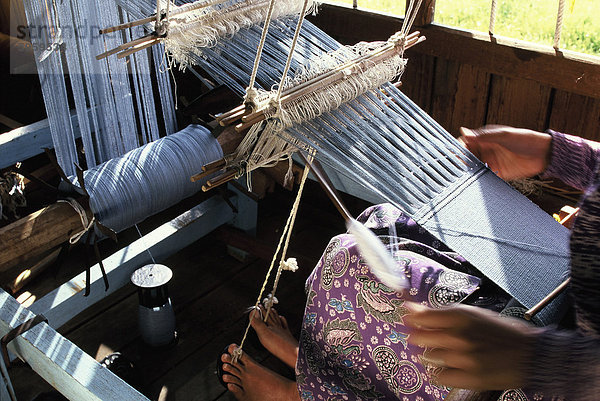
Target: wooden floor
{"type": "Point", "coordinates": [210, 291]}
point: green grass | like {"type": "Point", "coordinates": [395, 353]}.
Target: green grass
{"type": "Point", "coordinates": [530, 20]}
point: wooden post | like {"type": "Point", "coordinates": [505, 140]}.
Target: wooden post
{"type": "Point", "coordinates": [425, 13]}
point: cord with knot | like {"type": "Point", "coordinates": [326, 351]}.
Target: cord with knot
{"type": "Point", "coordinates": [82, 215]}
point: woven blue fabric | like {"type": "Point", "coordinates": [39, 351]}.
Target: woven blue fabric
{"type": "Point", "coordinates": [511, 240]}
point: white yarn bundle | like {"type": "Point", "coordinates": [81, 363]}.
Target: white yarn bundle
{"type": "Point", "coordinates": [190, 31]}
{"type": "Point", "coordinates": [264, 145]}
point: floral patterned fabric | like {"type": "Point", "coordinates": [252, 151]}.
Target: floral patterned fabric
{"type": "Point", "coordinates": [353, 343]}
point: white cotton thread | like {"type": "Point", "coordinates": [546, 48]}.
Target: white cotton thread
{"type": "Point", "coordinates": [264, 146]}
{"type": "Point", "coordinates": [291, 264]}
{"type": "Point", "coordinates": [114, 101]}
{"type": "Point", "coordinates": [378, 258]}
{"type": "Point", "coordinates": [269, 301]}
{"type": "Point", "coordinates": [191, 29]}
{"type": "Point", "coordinates": [284, 239]}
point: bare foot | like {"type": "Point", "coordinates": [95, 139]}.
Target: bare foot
{"type": "Point", "coordinates": [275, 335]}
{"type": "Point", "coordinates": [250, 381]}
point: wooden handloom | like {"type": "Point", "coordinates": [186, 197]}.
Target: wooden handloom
{"type": "Point", "coordinates": [57, 314]}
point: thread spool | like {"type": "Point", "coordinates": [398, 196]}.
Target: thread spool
{"type": "Point", "coordinates": [156, 318]}
{"type": "Point", "coordinates": [125, 190]}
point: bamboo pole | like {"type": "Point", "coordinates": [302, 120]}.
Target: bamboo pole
{"type": "Point", "coordinates": [138, 47]}
{"type": "Point", "coordinates": [125, 46]}
{"type": "Point", "coordinates": [547, 299]}
{"type": "Point", "coordinates": [228, 175]}
{"type": "Point", "coordinates": [128, 25]}
{"type": "Point", "coordinates": [155, 17]}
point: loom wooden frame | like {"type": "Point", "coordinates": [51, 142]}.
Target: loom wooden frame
{"type": "Point", "coordinates": [28, 141]}
{"type": "Point", "coordinates": [60, 362]}
{"type": "Point", "coordinates": [49, 353]}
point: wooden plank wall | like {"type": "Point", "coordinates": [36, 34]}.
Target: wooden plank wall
{"type": "Point", "coordinates": [469, 79]}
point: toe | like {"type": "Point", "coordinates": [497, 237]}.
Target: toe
{"type": "Point", "coordinates": [231, 379]}
{"type": "Point", "coordinates": [284, 322]}
{"type": "Point", "coordinates": [256, 314]}
{"type": "Point", "coordinates": [226, 358]}
{"type": "Point", "coordinates": [240, 360]}
{"type": "Point", "coordinates": [235, 389]}
{"type": "Point", "coordinates": [227, 367]}
{"type": "Point", "coordinates": [273, 317]}
{"type": "Point", "coordinates": [232, 347]}
{"type": "Point", "coordinates": [256, 320]}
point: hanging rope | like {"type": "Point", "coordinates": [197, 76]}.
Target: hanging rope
{"type": "Point", "coordinates": [492, 17]}
{"type": "Point", "coordinates": [251, 93]}
{"type": "Point", "coordinates": [291, 263]}
{"type": "Point", "coordinates": [410, 15]}
{"type": "Point", "coordinates": [275, 114]}
{"type": "Point", "coordinates": [291, 53]}
{"type": "Point", "coordinates": [284, 239]}
{"type": "Point", "coordinates": [559, 23]}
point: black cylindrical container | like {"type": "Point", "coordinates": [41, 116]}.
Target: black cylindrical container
{"type": "Point", "coordinates": [156, 318]}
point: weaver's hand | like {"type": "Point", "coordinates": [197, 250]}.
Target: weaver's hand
{"type": "Point", "coordinates": [510, 152]}
{"type": "Point", "coordinates": [477, 349]}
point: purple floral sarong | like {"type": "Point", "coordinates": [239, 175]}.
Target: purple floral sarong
{"type": "Point", "coordinates": [353, 343]}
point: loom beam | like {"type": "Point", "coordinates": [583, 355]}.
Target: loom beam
{"type": "Point", "coordinates": [53, 225]}
{"type": "Point", "coordinates": [30, 237]}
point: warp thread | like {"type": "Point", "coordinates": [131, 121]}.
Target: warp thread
{"type": "Point", "coordinates": [263, 146]}
{"type": "Point", "coordinates": [114, 102]}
